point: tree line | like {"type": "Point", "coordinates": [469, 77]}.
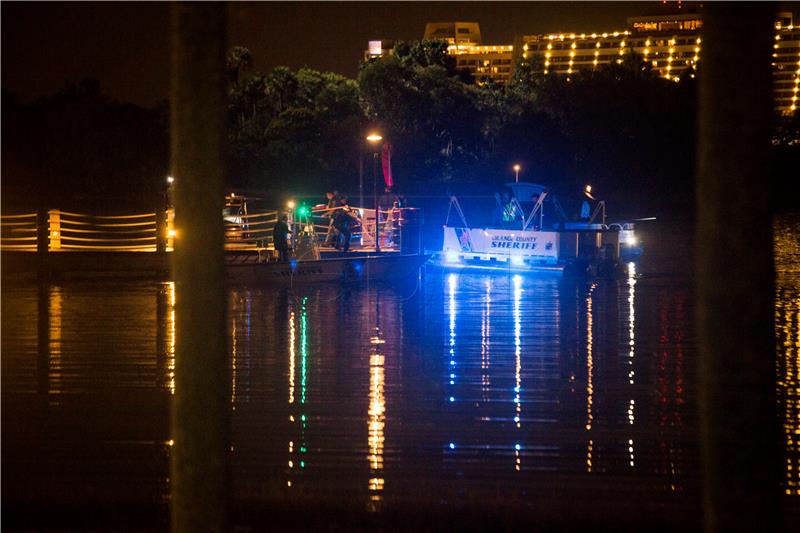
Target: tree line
{"type": "Point", "coordinates": [622, 128]}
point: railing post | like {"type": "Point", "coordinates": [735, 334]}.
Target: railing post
{"type": "Point", "coordinates": [42, 240]}
{"type": "Point", "coordinates": [54, 228]}
{"type": "Point", "coordinates": [170, 229]}
{"type": "Point", "coordinates": [161, 230]}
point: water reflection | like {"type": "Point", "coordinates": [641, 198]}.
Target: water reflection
{"type": "Point", "coordinates": [377, 411]}
{"type": "Point", "coordinates": [298, 417]}
{"type": "Point", "coordinates": [165, 336]}
{"type": "Point", "coordinates": [788, 318]}
{"type": "Point", "coordinates": [170, 289]}
{"type": "Point", "coordinates": [85, 401]}
{"type": "Point", "coordinates": [509, 394]}
{"type": "Point", "coordinates": [517, 363]}
{"type": "Point", "coordinates": [589, 377]}
{"type": "Point", "coordinates": [486, 342]}
{"type": "Point", "coordinates": [787, 325]}
{"type": "Point", "coordinates": [380, 395]}
{"type": "Point", "coordinates": [632, 349]}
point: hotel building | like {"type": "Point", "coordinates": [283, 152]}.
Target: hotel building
{"type": "Point", "coordinates": [671, 43]}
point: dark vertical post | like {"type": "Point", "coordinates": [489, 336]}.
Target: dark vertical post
{"type": "Point", "coordinates": [161, 230]}
{"type": "Point", "coordinates": [201, 407]}
{"type": "Point", "coordinates": [735, 271]}
{"type": "Point", "coordinates": [375, 200]}
{"type": "Point", "coordinates": [42, 241]}
{"type": "Point", "coordinates": [360, 179]}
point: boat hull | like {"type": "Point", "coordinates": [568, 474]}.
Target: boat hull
{"type": "Point", "coordinates": [358, 269]}
{"type": "Point", "coordinates": [502, 265]}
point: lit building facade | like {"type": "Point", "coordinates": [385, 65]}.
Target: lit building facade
{"type": "Point", "coordinates": [672, 44]}
{"type": "Point", "coordinates": [487, 63]}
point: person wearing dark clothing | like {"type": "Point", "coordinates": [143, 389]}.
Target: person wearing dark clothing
{"type": "Point", "coordinates": [342, 221]}
{"type": "Point", "coordinates": [280, 237]}
{"type": "Point", "coordinates": [334, 200]}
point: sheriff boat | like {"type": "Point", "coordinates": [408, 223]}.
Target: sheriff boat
{"type": "Point", "coordinates": [586, 247]}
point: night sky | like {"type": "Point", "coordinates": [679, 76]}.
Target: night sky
{"type": "Point", "coordinates": [126, 45]}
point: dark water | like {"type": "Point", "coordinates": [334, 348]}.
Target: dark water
{"type": "Point", "coordinates": [499, 399]}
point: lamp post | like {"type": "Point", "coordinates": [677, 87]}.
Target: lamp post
{"type": "Point", "coordinates": [374, 139]}
{"type": "Point", "coordinates": [516, 168]}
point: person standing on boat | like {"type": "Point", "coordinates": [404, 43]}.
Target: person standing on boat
{"type": "Point", "coordinates": [342, 221]}
{"type": "Point", "coordinates": [280, 235]}
{"type": "Point", "coordinates": [333, 203]}
{"type": "Point", "coordinates": [585, 210]}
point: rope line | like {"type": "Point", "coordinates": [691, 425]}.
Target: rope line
{"type": "Point", "coordinates": [106, 248]}
{"type": "Point", "coordinates": [102, 225]}
{"type": "Point", "coordinates": [67, 238]}
{"type": "Point", "coordinates": [25, 215]}
{"type": "Point", "coordinates": [114, 232]}
{"type": "Point", "coordinates": [143, 215]}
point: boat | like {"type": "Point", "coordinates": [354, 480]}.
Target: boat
{"type": "Point", "coordinates": [393, 253]}
{"type": "Point", "coordinates": [587, 247]}
{"type": "Point", "coordinates": [355, 268]}
{"type": "Point", "coordinates": [630, 246]}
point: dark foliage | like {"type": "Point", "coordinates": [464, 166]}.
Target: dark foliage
{"type": "Point", "coordinates": [622, 128]}
{"type": "Point", "coordinates": [78, 148]}
{"type": "Point", "coordinates": [297, 130]}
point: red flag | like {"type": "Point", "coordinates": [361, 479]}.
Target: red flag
{"type": "Point", "coordinates": [386, 159]}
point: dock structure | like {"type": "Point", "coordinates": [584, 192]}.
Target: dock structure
{"type": "Point", "coordinates": [59, 242]}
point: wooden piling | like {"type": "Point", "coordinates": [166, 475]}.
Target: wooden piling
{"type": "Point", "coordinates": [201, 407]}
{"type": "Point", "coordinates": [735, 271]}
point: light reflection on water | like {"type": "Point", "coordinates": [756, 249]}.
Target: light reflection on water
{"type": "Point", "coordinates": [469, 388]}
{"type": "Point", "coordinates": [787, 320]}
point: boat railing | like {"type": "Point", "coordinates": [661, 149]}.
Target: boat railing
{"type": "Point", "coordinates": [251, 231]}
{"type": "Point", "coordinates": [363, 228]}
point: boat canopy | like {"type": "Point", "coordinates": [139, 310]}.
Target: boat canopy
{"type": "Point", "coordinates": [524, 190]}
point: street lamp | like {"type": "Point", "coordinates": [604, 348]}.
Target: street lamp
{"type": "Point", "coordinates": [516, 168]}
{"type": "Point", "coordinates": [374, 139]}
{"type": "Point", "coordinates": [168, 192]}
